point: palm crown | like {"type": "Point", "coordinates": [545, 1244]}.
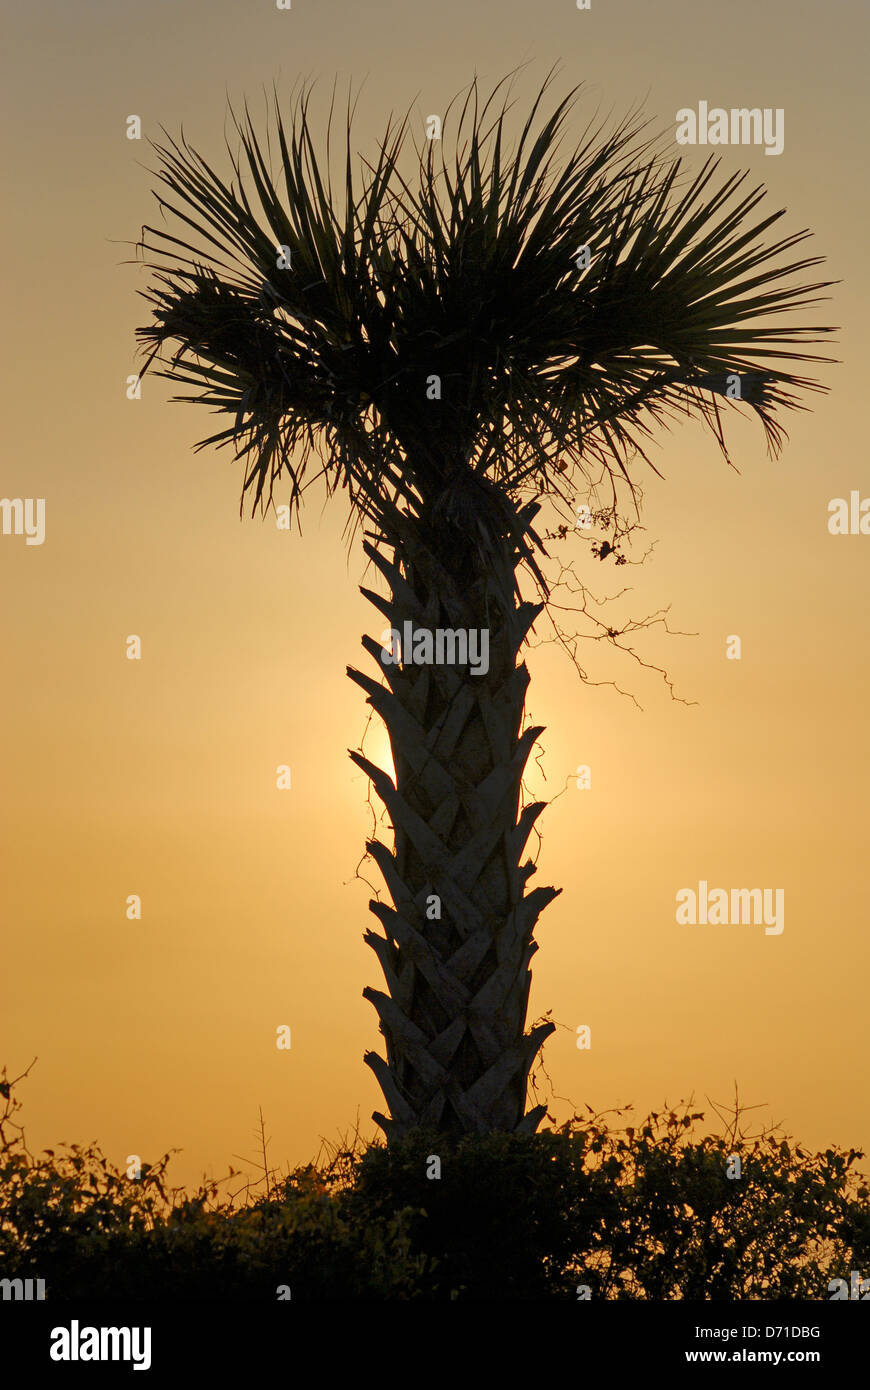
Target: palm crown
{"type": "Point", "coordinates": [470, 273]}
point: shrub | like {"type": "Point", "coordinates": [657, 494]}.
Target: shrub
{"type": "Point", "coordinates": [592, 1208]}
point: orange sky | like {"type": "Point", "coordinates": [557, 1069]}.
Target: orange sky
{"type": "Point", "coordinates": [157, 777]}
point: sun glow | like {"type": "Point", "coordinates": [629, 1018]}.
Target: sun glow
{"type": "Point", "coordinates": [376, 747]}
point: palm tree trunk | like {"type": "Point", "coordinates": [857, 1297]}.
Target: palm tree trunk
{"type": "Point", "coordinates": [458, 937]}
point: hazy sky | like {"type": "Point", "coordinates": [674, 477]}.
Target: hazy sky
{"type": "Point", "coordinates": [157, 777]}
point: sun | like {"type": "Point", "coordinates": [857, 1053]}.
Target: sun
{"type": "Point", "coordinates": [376, 747]}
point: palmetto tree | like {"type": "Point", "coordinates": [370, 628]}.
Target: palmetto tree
{"type": "Point", "coordinates": [428, 330]}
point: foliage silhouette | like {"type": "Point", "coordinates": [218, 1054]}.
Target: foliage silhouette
{"type": "Point", "coordinates": [641, 1211]}
{"type": "Point", "coordinates": [451, 338]}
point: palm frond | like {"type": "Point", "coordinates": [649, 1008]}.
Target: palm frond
{"type": "Point", "coordinates": [314, 311]}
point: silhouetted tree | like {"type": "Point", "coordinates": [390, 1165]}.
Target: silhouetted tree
{"type": "Point", "coordinates": [453, 338]}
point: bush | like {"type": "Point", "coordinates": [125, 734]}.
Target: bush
{"type": "Point", "coordinates": [591, 1209]}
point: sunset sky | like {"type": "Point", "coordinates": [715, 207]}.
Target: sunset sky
{"type": "Point", "coordinates": [157, 777]}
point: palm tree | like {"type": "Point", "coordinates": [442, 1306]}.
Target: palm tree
{"type": "Point", "coordinates": [430, 332]}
